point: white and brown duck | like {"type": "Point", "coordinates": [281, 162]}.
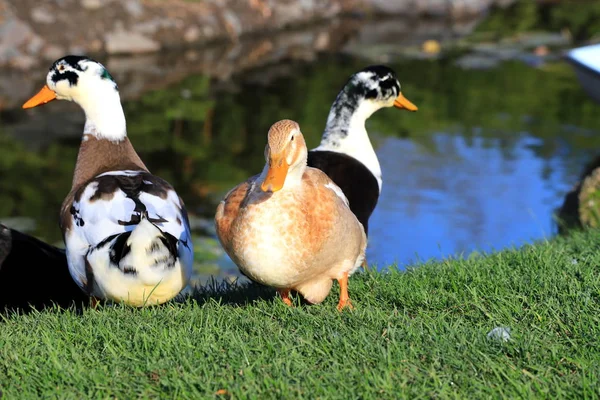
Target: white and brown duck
{"type": "Point", "coordinates": [290, 227]}
{"type": "Point", "coordinates": [126, 231]}
{"type": "Point", "coordinates": [346, 154]}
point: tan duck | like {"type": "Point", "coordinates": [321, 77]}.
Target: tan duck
{"type": "Point", "coordinates": [290, 227]}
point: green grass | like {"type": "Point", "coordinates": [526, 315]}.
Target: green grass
{"type": "Point", "coordinates": [418, 334]}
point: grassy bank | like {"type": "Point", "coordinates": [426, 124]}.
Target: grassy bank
{"type": "Point", "coordinates": [418, 334]}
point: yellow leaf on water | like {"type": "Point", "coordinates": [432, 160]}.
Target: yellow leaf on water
{"type": "Point", "coordinates": [431, 47]}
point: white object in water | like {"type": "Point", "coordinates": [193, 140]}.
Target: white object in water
{"type": "Point", "coordinates": [588, 56]}
{"type": "Point", "coordinates": [586, 62]}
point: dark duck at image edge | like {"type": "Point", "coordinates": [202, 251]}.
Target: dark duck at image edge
{"type": "Point", "coordinates": [34, 275]}
{"type": "Point", "coordinates": [126, 231]}
{"type": "Point", "coordinates": [346, 154]}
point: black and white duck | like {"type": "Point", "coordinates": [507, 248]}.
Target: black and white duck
{"type": "Point", "coordinates": [126, 231]}
{"type": "Point", "coordinates": [346, 154]}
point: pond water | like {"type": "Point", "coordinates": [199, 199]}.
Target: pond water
{"type": "Point", "coordinates": [482, 165]}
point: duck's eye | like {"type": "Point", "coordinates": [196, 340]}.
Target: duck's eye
{"type": "Point", "coordinates": [61, 68]}
{"type": "Point", "coordinates": [292, 139]}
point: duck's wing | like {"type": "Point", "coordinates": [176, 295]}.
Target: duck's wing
{"type": "Point", "coordinates": [114, 203]}
{"type": "Point", "coordinates": [356, 181]}
{"type": "Point", "coordinates": [328, 213]}
{"type": "Point", "coordinates": [229, 208]}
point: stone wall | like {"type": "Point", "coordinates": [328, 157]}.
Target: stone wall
{"type": "Point", "coordinates": [34, 32]}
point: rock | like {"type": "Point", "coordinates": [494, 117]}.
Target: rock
{"type": "Point", "coordinates": [233, 24]}
{"type": "Point", "coordinates": [15, 38]}
{"type": "Point", "coordinates": [208, 31]}
{"type": "Point", "coordinates": [150, 27]}
{"type": "Point", "coordinates": [35, 45]}
{"type": "Point", "coordinates": [42, 16]}
{"type": "Point", "coordinates": [53, 52]}
{"type": "Point", "coordinates": [23, 62]}
{"type": "Point", "coordinates": [129, 42]}
{"type": "Point", "coordinates": [30, 29]}
{"type": "Point", "coordinates": [589, 200]}
{"type": "Point", "coordinates": [435, 8]}
{"type": "Point", "coordinates": [466, 8]}
{"type": "Point", "coordinates": [13, 33]}
{"type": "Point", "coordinates": [390, 7]}
{"type": "Point", "coordinates": [134, 8]}
{"type": "Point", "coordinates": [96, 45]}
{"type": "Point", "coordinates": [191, 34]}
{"type": "Point", "coordinates": [499, 333]}
{"type": "Point", "coordinates": [579, 208]}
{"type": "Point", "coordinates": [322, 41]}
{"type": "Point", "coordinates": [78, 50]}
{"type": "Point", "coordinates": [93, 4]}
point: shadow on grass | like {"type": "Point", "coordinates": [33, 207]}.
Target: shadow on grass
{"type": "Point", "coordinates": [231, 293]}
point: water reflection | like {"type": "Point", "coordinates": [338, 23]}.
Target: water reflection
{"type": "Point", "coordinates": [482, 165]}
{"type": "Point", "coordinates": [463, 196]}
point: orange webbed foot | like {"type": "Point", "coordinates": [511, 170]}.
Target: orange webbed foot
{"type": "Point", "coordinates": [344, 298]}
{"type": "Point", "coordinates": [346, 303]}
{"type": "Point", "coordinates": [94, 302]}
{"type": "Point", "coordinates": [285, 296]}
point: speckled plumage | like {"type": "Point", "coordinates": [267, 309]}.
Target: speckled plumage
{"type": "Point", "coordinates": [346, 154]}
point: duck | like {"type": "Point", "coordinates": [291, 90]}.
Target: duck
{"type": "Point", "coordinates": [345, 153]}
{"type": "Point", "coordinates": [290, 227]}
{"type": "Point", "coordinates": [45, 282]}
{"type": "Point", "coordinates": [126, 231]}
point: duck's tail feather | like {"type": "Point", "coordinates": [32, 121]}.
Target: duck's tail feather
{"type": "Point", "coordinates": [146, 251]}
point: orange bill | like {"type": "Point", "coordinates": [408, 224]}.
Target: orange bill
{"type": "Point", "coordinates": [403, 103]}
{"type": "Point", "coordinates": [275, 179]}
{"type": "Point", "coordinates": [44, 96]}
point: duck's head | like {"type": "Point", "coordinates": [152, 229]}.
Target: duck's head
{"type": "Point", "coordinates": [75, 78]}
{"type": "Point", "coordinates": [378, 87]}
{"type": "Point", "coordinates": [285, 154]}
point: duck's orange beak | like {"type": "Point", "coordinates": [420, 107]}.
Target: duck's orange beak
{"type": "Point", "coordinates": [44, 96]}
{"type": "Point", "coordinates": [403, 103]}
{"type": "Point", "coordinates": [278, 169]}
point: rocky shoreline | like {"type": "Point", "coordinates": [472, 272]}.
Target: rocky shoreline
{"type": "Point", "coordinates": [222, 59]}
{"type": "Point", "coordinates": [33, 32]}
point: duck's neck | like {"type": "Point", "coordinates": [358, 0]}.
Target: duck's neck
{"type": "Point", "coordinates": [104, 115]}
{"type": "Point", "coordinates": [293, 179]}
{"type": "Point", "coordinates": [346, 133]}
{"type": "Point", "coordinates": [105, 146]}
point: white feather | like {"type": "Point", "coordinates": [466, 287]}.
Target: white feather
{"type": "Point", "coordinates": [98, 97]}
{"type": "Point", "coordinates": [356, 144]}
{"type": "Point", "coordinates": [101, 220]}
{"type": "Point", "coordinates": [336, 189]}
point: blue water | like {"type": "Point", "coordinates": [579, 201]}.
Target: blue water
{"type": "Point", "coordinates": [463, 196]}
{"type": "Point", "coordinates": [461, 175]}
